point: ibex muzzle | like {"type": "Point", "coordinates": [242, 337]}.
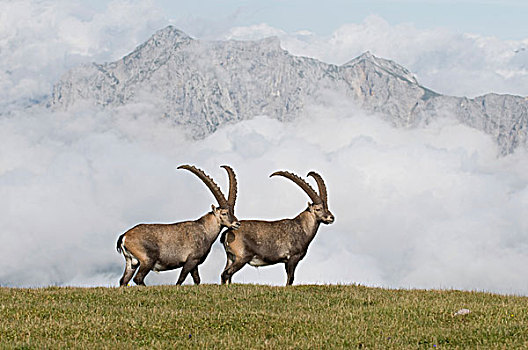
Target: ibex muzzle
{"type": "Point", "coordinates": [162, 247]}
{"type": "Point", "coordinates": [261, 243]}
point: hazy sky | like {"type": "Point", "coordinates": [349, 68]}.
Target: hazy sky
{"type": "Point", "coordinates": [431, 207]}
{"type": "Point", "coordinates": [504, 19]}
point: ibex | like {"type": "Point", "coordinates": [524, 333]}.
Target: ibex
{"type": "Point", "coordinates": [261, 243]}
{"type": "Point", "coordinates": [162, 247]}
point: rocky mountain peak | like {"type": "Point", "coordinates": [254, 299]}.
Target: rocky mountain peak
{"type": "Point", "coordinates": [161, 43]}
{"type": "Point", "coordinates": [170, 33]}
{"type": "Point", "coordinates": [204, 84]}
{"type": "Point", "coordinates": [384, 66]}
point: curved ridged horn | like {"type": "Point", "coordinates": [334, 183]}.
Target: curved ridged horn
{"type": "Point", "coordinates": [209, 183]}
{"type": "Point", "coordinates": [322, 187]}
{"type": "Point", "coordinates": [302, 184]}
{"type": "Point", "coordinates": [231, 198]}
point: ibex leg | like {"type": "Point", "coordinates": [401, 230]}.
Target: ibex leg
{"type": "Point", "coordinates": [230, 271]}
{"type": "Point", "coordinates": [144, 269]}
{"type": "Point", "coordinates": [129, 272]}
{"type": "Point", "coordinates": [195, 275]}
{"type": "Point", "coordinates": [187, 267]}
{"type": "Point", "coordinates": [229, 262]}
{"type": "Point", "coordinates": [290, 270]}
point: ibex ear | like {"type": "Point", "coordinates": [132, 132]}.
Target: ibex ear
{"type": "Point", "coordinates": [213, 207]}
{"type": "Point", "coordinates": [310, 206]}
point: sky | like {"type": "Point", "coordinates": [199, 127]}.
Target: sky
{"type": "Point", "coordinates": [503, 19]}
{"type": "Point", "coordinates": [431, 207]}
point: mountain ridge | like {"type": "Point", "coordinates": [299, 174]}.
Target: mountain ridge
{"type": "Point", "coordinates": [205, 84]}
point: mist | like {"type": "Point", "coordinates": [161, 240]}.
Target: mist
{"type": "Point", "coordinates": [430, 207]}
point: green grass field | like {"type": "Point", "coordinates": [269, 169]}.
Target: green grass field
{"type": "Point", "coordinates": [251, 316]}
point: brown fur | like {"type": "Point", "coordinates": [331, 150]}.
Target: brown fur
{"type": "Point", "coordinates": [162, 247]}
{"type": "Point", "coordinates": [261, 243]}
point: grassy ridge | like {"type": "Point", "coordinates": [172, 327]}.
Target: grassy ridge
{"type": "Point", "coordinates": [250, 316]}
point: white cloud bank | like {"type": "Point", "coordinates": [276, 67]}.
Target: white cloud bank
{"type": "Point", "coordinates": [430, 207]}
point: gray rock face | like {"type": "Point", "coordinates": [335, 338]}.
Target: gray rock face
{"type": "Point", "coordinates": [203, 85]}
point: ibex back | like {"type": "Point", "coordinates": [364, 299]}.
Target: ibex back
{"type": "Point", "coordinates": [162, 247]}
{"type": "Point", "coordinates": [261, 243]}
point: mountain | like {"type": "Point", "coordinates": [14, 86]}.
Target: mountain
{"type": "Point", "coordinates": [204, 84]}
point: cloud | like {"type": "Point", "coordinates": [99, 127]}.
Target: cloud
{"type": "Point", "coordinates": [447, 62]}
{"type": "Point", "coordinates": [40, 40]}
{"type": "Point", "coordinates": [429, 207]}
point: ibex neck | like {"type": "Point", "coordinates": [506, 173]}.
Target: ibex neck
{"type": "Point", "coordinates": [211, 225]}
{"type": "Point", "coordinates": [308, 223]}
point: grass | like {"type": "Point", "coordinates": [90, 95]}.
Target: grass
{"type": "Point", "coordinates": [252, 317]}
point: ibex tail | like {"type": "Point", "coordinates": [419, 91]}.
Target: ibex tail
{"type": "Point", "coordinates": [119, 243]}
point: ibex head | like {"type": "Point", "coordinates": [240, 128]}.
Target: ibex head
{"type": "Point", "coordinates": [225, 212]}
{"type": "Point", "coordinates": [319, 205]}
